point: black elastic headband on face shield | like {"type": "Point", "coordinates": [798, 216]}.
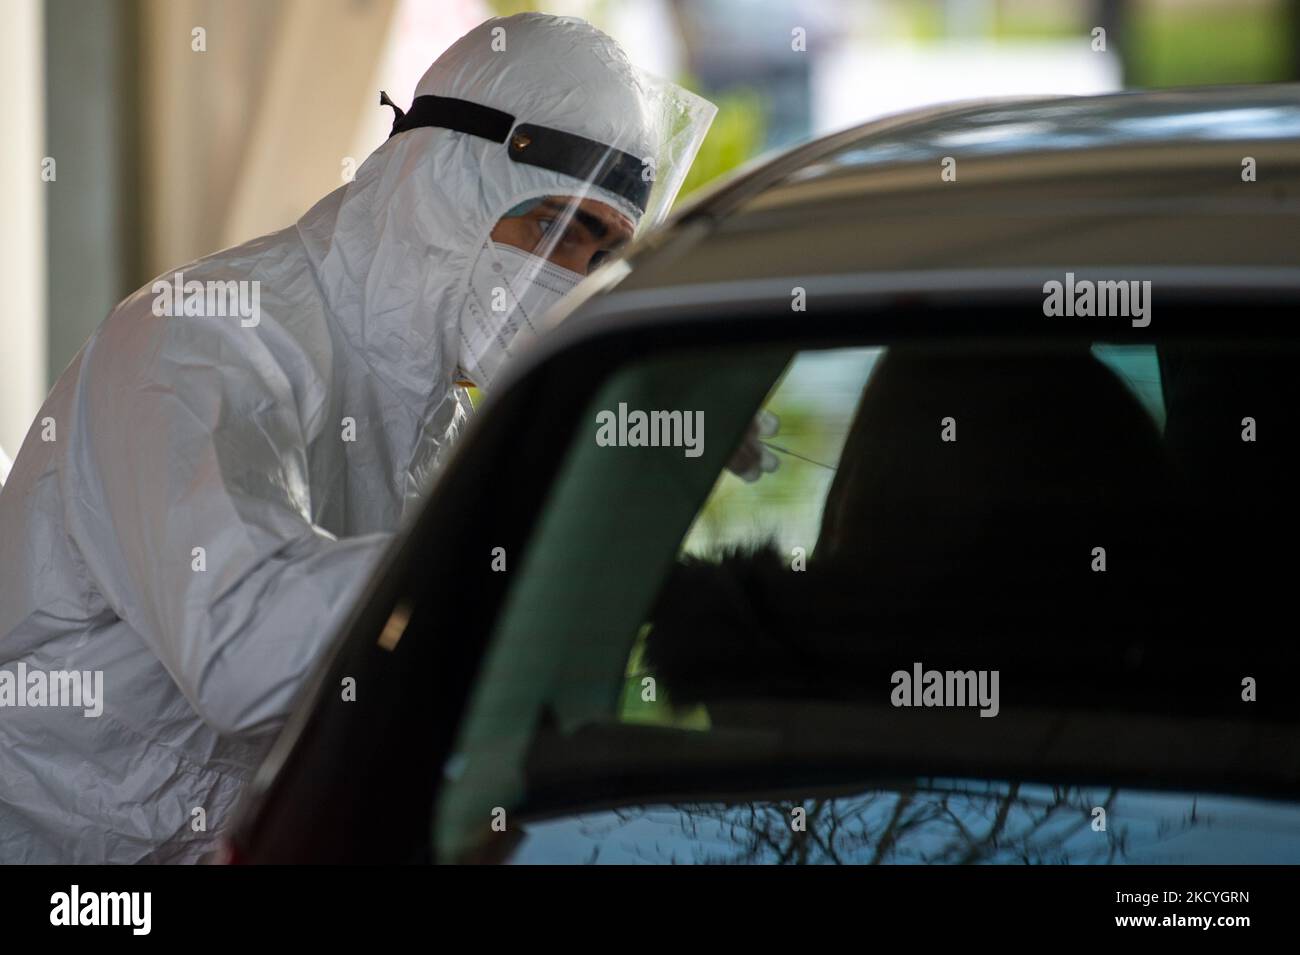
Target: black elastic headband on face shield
{"type": "Point", "coordinates": [584, 159]}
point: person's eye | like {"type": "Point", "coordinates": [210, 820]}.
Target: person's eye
{"type": "Point", "coordinates": [572, 233]}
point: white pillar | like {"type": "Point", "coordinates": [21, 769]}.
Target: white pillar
{"type": "Point", "coordinates": [22, 227]}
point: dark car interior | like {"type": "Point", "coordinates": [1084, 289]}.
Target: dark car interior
{"type": "Point", "coordinates": [979, 553]}
{"type": "Point", "coordinates": [984, 546]}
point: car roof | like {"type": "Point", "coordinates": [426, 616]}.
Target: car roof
{"type": "Point", "coordinates": [1138, 178]}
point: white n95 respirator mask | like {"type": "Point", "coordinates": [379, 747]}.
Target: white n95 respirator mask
{"type": "Point", "coordinates": [509, 292]}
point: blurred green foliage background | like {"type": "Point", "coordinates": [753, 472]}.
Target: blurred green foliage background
{"type": "Point", "coordinates": [1160, 43]}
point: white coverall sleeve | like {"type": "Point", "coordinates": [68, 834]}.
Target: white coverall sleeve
{"type": "Point", "coordinates": [191, 511]}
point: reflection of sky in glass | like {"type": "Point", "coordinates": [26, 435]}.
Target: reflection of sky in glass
{"type": "Point", "coordinates": [1066, 125]}
{"type": "Point", "coordinates": [946, 821]}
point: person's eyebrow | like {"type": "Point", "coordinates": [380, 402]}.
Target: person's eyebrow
{"type": "Point", "coordinates": [595, 225]}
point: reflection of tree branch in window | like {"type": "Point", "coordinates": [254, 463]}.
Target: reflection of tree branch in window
{"type": "Point", "coordinates": [891, 833]}
{"type": "Point", "coordinates": [999, 823]}
{"type": "Point", "coordinates": [926, 824]}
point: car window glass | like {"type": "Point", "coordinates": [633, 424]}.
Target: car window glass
{"type": "Point", "coordinates": [1030, 515]}
{"type": "Point", "coordinates": [932, 822]}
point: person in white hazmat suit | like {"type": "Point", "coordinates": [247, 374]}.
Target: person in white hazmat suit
{"type": "Point", "coordinates": [203, 493]}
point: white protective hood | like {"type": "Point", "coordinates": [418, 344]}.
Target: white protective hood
{"type": "Point", "coordinates": [283, 452]}
{"type": "Point", "coordinates": [393, 256]}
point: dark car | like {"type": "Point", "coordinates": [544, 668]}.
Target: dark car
{"type": "Point", "coordinates": [1022, 589]}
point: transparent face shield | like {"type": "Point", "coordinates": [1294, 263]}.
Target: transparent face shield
{"type": "Point", "coordinates": [580, 201]}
